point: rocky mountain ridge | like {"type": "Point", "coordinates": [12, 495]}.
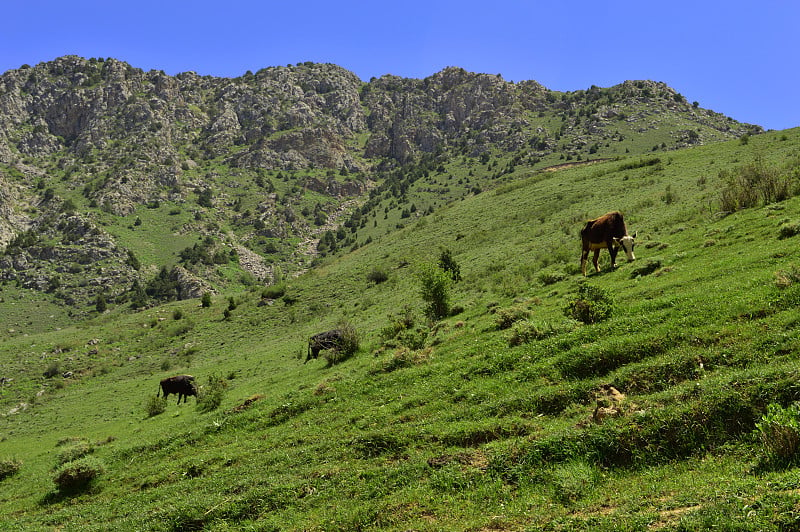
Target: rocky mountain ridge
{"type": "Point", "coordinates": [263, 160]}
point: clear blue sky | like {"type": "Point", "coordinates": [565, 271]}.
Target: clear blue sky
{"type": "Point", "coordinates": [738, 58]}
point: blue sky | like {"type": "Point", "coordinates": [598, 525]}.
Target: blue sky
{"type": "Point", "coordinates": [737, 58]}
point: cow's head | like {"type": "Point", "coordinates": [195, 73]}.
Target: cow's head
{"type": "Point", "coordinates": [627, 242]}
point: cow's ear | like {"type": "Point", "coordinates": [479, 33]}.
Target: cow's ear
{"type": "Point", "coordinates": [615, 239]}
{"type": "Point", "coordinates": [634, 234]}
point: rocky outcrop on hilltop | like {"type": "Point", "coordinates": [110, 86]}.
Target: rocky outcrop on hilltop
{"type": "Point", "coordinates": [411, 116]}
{"type": "Point", "coordinates": [142, 130]}
{"type": "Point", "coordinates": [111, 118]}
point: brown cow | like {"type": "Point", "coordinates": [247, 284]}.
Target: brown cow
{"type": "Point", "coordinates": [181, 385]}
{"type": "Point", "coordinates": [607, 232]}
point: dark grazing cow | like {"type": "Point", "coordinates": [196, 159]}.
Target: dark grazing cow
{"type": "Point", "coordinates": [182, 385]}
{"type": "Point", "coordinates": [325, 340]}
{"type": "Point", "coordinates": [607, 232]}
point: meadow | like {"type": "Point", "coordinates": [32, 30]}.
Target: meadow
{"type": "Point", "coordinates": [499, 416]}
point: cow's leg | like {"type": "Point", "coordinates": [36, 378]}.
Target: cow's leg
{"type": "Point", "coordinates": [612, 250]}
{"type": "Point", "coordinates": [594, 260]}
{"type": "Point", "coordinates": [584, 258]}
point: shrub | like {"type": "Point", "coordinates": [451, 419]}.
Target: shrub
{"type": "Point", "coordinates": [9, 467]}
{"type": "Point", "coordinates": [348, 344]}
{"type": "Point", "coordinates": [573, 480]}
{"type": "Point", "coordinates": [435, 291]}
{"type": "Point", "coordinates": [789, 229]}
{"type": "Point", "coordinates": [527, 331]}
{"type": "Point", "coordinates": [779, 434]}
{"type": "Point", "coordinates": [550, 277]}
{"type": "Point", "coordinates": [750, 184]}
{"type": "Point", "coordinates": [594, 304]}
{"type": "Point", "coordinates": [403, 357]}
{"type": "Point", "coordinates": [377, 275]}
{"type": "Point", "coordinates": [402, 331]}
{"type": "Point", "coordinates": [155, 405]}
{"type": "Point", "coordinates": [205, 301]}
{"type": "Point", "coordinates": [52, 370]}
{"type": "Point", "coordinates": [78, 474]}
{"type": "Point", "coordinates": [785, 279]}
{"type": "Point", "coordinates": [507, 317]}
{"type": "Point", "coordinates": [413, 338]}
{"type": "Point", "coordinates": [210, 396]}
{"type": "Point", "coordinates": [448, 264]}
{"type": "Point", "coordinates": [74, 452]}
{"type": "Point", "coordinates": [350, 340]}
{"type": "Point", "coordinates": [399, 323]}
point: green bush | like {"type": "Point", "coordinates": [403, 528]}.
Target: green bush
{"type": "Point", "coordinates": [52, 370]}
{"type": "Point", "coordinates": [78, 474]}
{"type": "Point", "coordinates": [751, 184]}
{"type": "Point", "coordinates": [527, 331]}
{"type": "Point", "coordinates": [435, 291]}
{"type": "Point", "coordinates": [350, 339]}
{"type": "Point", "coordinates": [449, 264]}
{"type": "Point", "coordinates": [402, 357]}
{"type": "Point", "coordinates": [594, 304]}
{"type": "Point", "coordinates": [779, 434]}
{"type": "Point", "coordinates": [399, 323]}
{"type": "Point", "coordinates": [506, 317]}
{"type": "Point", "coordinates": [348, 345]}
{"type": "Point", "coordinates": [275, 291]}
{"type": "Point", "coordinates": [789, 229]}
{"type": "Point", "coordinates": [413, 338]}
{"type": "Point", "coordinates": [787, 278]}
{"type": "Point", "coordinates": [155, 405]}
{"type": "Point", "coordinates": [377, 275]}
{"type": "Point", "coordinates": [210, 396]}
{"type": "Point", "coordinates": [74, 452]}
{"type": "Point", "coordinates": [205, 301]}
{"type": "Point", "coordinates": [572, 480]}
{"type": "Point", "coordinates": [550, 277]}
{"type": "Point", "coordinates": [9, 467]}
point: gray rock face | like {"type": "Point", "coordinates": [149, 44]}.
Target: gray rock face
{"type": "Point", "coordinates": [69, 256]}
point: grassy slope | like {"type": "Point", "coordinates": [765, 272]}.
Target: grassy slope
{"type": "Point", "coordinates": [468, 432]}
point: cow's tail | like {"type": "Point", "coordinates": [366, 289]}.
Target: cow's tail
{"type": "Point", "coordinates": [158, 394]}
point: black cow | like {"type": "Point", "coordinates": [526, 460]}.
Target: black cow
{"type": "Point", "coordinates": [325, 340]}
{"type": "Point", "coordinates": [182, 385]}
{"type": "Point", "coordinates": [607, 232]}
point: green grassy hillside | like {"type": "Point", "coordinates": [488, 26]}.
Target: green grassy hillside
{"type": "Point", "coordinates": [498, 417]}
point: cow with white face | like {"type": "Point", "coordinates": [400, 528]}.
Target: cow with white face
{"type": "Point", "coordinates": [607, 232]}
